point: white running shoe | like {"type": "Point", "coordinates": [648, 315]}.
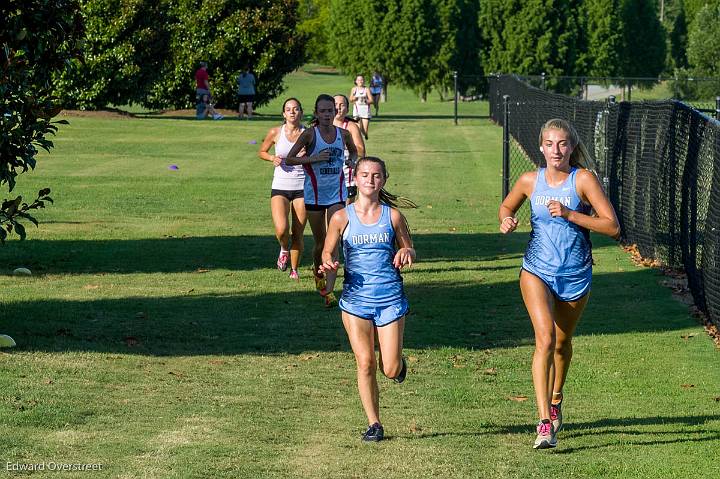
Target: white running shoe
{"type": "Point", "coordinates": [556, 416]}
{"type": "Point", "coordinates": [545, 435]}
{"type": "Point", "coordinates": [282, 262]}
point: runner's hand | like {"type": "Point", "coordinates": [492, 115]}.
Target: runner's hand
{"type": "Point", "coordinates": [404, 257]}
{"type": "Point", "coordinates": [328, 266]}
{"type": "Point", "coordinates": [558, 209]}
{"type": "Point", "coordinates": [508, 224]}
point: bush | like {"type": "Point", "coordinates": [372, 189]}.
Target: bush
{"type": "Point", "coordinates": [38, 38]}
{"type": "Point", "coordinates": [147, 51]}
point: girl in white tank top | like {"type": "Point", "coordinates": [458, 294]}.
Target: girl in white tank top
{"type": "Point", "coordinates": [287, 177]}
{"type": "Point", "coordinates": [361, 99]}
{"type": "Point", "coordinates": [346, 123]}
{"type": "Point", "coordinates": [286, 194]}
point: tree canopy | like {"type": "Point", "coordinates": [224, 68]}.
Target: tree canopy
{"type": "Point", "coordinates": [147, 51]}
{"type": "Point", "coordinates": [37, 40]}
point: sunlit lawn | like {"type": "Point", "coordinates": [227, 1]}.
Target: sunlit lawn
{"type": "Point", "coordinates": [156, 339]}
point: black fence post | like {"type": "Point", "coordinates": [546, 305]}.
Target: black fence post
{"type": "Point", "coordinates": [506, 147]}
{"type": "Point", "coordinates": [629, 90]}
{"type": "Point", "coordinates": [717, 107]}
{"type": "Point", "coordinates": [456, 94]}
{"type": "Point", "coordinates": [542, 81]}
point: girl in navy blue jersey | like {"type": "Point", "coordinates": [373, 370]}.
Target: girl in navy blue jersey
{"type": "Point", "coordinates": [557, 268]}
{"type": "Point", "coordinates": [376, 245]}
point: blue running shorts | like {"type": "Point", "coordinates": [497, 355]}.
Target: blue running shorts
{"type": "Point", "coordinates": [566, 288]}
{"type": "Point", "coordinates": [379, 315]}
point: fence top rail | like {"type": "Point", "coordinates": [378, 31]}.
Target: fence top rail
{"type": "Point", "coordinates": [608, 78]}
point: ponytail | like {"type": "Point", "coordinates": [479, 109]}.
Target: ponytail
{"type": "Point", "coordinates": [385, 196]}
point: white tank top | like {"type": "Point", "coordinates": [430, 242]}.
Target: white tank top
{"type": "Point", "coordinates": [348, 168]}
{"type": "Point", "coordinates": [324, 180]}
{"type": "Point", "coordinates": [287, 177]}
{"type": "Point", "coordinates": [361, 95]}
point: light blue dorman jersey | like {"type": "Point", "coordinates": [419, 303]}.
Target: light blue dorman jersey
{"type": "Point", "coordinates": [557, 246]}
{"type": "Point", "coordinates": [369, 250]}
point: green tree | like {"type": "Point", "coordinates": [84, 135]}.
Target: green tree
{"type": "Point", "coordinates": [603, 30]}
{"type": "Point", "coordinates": [459, 47]}
{"type": "Point", "coordinates": [704, 42]}
{"type": "Point", "coordinates": [124, 51]}
{"type": "Point", "coordinates": [38, 38]}
{"type": "Point", "coordinates": [692, 7]}
{"type": "Point", "coordinates": [413, 43]}
{"type": "Point", "coordinates": [147, 51]}
{"type": "Point", "coordinates": [346, 36]}
{"type": "Point", "coordinates": [531, 37]}
{"type": "Point", "coordinates": [643, 44]}
{"type": "Point", "coordinates": [704, 50]}
{"type": "Point", "coordinates": [228, 35]}
{"type": "Point", "coordinates": [314, 16]}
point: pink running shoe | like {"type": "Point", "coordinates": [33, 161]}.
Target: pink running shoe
{"type": "Point", "coordinates": [294, 275]}
{"type": "Point", "coordinates": [282, 261]}
{"type": "Point", "coordinates": [556, 416]}
{"type": "Point", "coordinates": [545, 435]}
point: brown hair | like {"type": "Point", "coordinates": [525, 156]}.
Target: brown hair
{"type": "Point", "coordinates": [385, 196]}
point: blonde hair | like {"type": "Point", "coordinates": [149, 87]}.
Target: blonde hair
{"type": "Point", "coordinates": [580, 157]}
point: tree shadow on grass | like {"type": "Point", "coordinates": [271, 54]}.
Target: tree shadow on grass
{"type": "Point", "coordinates": [474, 314]}
{"type": "Point", "coordinates": [235, 253]}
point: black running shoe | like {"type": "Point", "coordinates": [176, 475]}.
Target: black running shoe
{"type": "Point", "coordinates": [403, 372]}
{"type": "Point", "coordinates": [374, 433]}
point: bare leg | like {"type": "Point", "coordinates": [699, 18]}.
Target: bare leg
{"type": "Point", "coordinates": [539, 302]}
{"type": "Point", "coordinates": [361, 125]}
{"type": "Point", "coordinates": [280, 207]}
{"type": "Point", "coordinates": [365, 126]}
{"type": "Point", "coordinates": [299, 217]}
{"type": "Point", "coordinates": [566, 319]}
{"type": "Point", "coordinates": [317, 226]}
{"type": "Point", "coordinates": [330, 276]}
{"type": "Point", "coordinates": [249, 110]}
{"type": "Point", "coordinates": [390, 338]}
{"type": "Point", "coordinates": [361, 334]}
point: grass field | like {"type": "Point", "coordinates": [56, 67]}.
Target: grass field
{"type": "Point", "coordinates": [156, 339]}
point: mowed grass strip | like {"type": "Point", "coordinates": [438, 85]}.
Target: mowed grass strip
{"type": "Point", "coordinates": [157, 339]}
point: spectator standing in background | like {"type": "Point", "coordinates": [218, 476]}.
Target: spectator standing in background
{"type": "Point", "coordinates": [376, 87]}
{"type": "Point", "coordinates": [246, 93]}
